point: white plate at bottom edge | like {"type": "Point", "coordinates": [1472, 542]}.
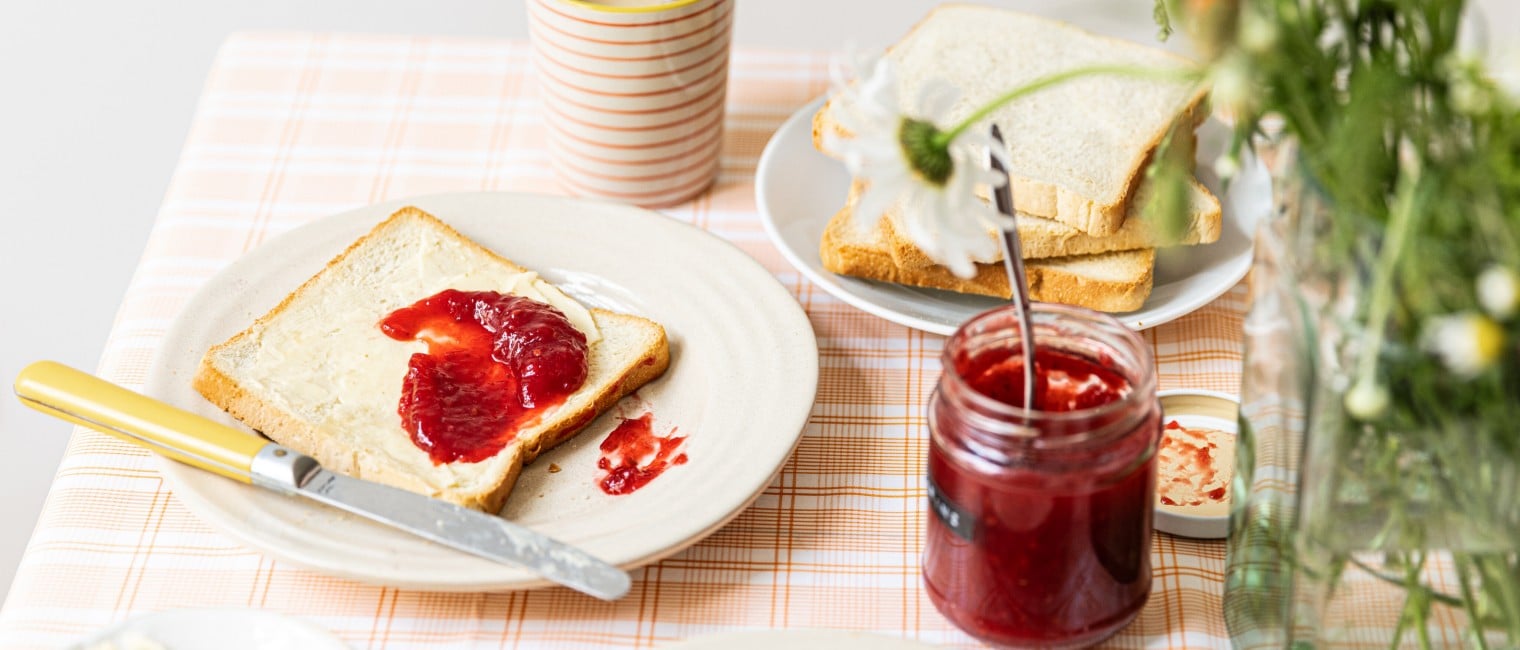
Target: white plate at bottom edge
{"type": "Point", "coordinates": [213, 629]}
{"type": "Point", "coordinates": [798, 640]}
{"type": "Point", "coordinates": [741, 383]}
{"type": "Point", "coordinates": [799, 189]}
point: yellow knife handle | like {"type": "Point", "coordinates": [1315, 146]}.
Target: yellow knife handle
{"type": "Point", "coordinates": [84, 399]}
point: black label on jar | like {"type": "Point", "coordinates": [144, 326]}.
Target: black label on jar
{"type": "Point", "coordinates": [952, 516]}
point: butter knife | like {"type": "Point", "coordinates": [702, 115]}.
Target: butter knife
{"type": "Point", "coordinates": [75, 396]}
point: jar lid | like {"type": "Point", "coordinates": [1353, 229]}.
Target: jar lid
{"type": "Point", "coordinates": [1195, 463]}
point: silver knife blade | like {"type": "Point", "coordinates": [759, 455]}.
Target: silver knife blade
{"type": "Point", "coordinates": [477, 533]}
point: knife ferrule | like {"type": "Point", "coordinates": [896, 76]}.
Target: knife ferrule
{"type": "Point", "coordinates": [282, 469]}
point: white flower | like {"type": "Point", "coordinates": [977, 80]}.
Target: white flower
{"type": "Point", "coordinates": [1468, 342]}
{"type": "Point", "coordinates": [892, 150]}
{"type": "Point", "coordinates": [1499, 291]}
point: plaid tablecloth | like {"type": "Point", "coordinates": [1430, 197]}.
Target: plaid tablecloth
{"type": "Point", "coordinates": [293, 127]}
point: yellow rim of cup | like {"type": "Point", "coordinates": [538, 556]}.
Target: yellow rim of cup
{"type": "Point", "coordinates": [643, 9]}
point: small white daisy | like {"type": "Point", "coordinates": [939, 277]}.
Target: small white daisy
{"type": "Point", "coordinates": [1468, 342]}
{"type": "Point", "coordinates": [904, 159]}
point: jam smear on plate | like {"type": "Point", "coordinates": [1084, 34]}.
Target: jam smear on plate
{"type": "Point", "coordinates": [633, 456]}
{"type": "Point", "coordinates": [494, 363]}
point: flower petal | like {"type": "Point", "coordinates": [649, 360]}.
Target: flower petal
{"type": "Point", "coordinates": [935, 99]}
{"type": "Point", "coordinates": [874, 202]}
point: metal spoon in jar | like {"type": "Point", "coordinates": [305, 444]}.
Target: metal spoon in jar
{"type": "Point", "coordinates": [1013, 263]}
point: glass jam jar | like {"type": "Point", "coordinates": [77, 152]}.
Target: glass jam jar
{"type": "Point", "coordinates": [1039, 524]}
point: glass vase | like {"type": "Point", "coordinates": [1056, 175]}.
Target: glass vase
{"type": "Point", "coordinates": [1395, 531]}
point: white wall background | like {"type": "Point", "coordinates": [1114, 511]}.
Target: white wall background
{"type": "Point", "coordinates": [97, 99]}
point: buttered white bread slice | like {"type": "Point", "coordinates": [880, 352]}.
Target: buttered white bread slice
{"type": "Point", "coordinates": [1113, 282]}
{"type": "Point", "coordinates": [1042, 238]}
{"type": "Point", "coordinates": [1078, 149]}
{"type": "Point", "coordinates": [318, 375]}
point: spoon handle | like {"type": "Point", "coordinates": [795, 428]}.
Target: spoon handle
{"type": "Point", "coordinates": [1013, 263]}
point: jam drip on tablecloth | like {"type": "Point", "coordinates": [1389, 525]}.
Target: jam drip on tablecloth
{"type": "Point", "coordinates": [633, 456]}
{"type": "Point", "coordinates": [494, 363]}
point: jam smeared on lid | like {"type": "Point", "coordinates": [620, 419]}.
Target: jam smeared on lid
{"type": "Point", "coordinates": [633, 456]}
{"type": "Point", "coordinates": [1194, 466]}
{"type": "Point", "coordinates": [494, 363]}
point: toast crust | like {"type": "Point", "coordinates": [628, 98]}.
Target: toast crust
{"type": "Point", "coordinates": [1048, 282]}
{"type": "Point", "coordinates": [339, 455]}
{"type": "Point", "coordinates": [1204, 228]}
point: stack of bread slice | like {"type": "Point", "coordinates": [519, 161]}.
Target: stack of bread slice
{"type": "Point", "coordinates": [1078, 153]}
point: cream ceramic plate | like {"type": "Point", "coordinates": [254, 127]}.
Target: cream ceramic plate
{"type": "Point", "coordinates": [743, 372]}
{"type": "Point", "coordinates": [799, 190]}
{"type": "Point", "coordinates": [798, 640]}
{"type": "Point", "coordinates": [212, 629]}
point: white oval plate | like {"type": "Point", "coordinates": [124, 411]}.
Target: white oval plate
{"type": "Point", "coordinates": [742, 377]}
{"type": "Point", "coordinates": [215, 629]}
{"type": "Point", "coordinates": [799, 189]}
{"type": "Point", "coordinates": [798, 640]}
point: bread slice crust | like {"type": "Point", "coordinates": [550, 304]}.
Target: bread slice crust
{"type": "Point", "coordinates": [846, 251]}
{"type": "Point", "coordinates": [618, 377]}
{"type": "Point", "coordinates": [1042, 238]}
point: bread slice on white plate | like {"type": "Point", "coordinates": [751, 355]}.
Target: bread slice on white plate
{"type": "Point", "coordinates": [318, 375]}
{"type": "Point", "coordinates": [1077, 150]}
{"type": "Point", "coordinates": [1042, 238]}
{"type": "Point", "coordinates": [1113, 282]}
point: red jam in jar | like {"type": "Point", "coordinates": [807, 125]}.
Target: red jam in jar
{"type": "Point", "coordinates": [1039, 523]}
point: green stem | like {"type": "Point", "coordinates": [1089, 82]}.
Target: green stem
{"type": "Point", "coordinates": [1416, 604]}
{"type": "Point", "coordinates": [1380, 306]}
{"type": "Point", "coordinates": [1502, 582]}
{"type": "Point", "coordinates": [944, 138]}
{"type": "Point", "coordinates": [1470, 602]}
{"type": "Point", "coordinates": [1439, 597]}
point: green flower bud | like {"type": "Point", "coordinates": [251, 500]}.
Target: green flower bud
{"type": "Point", "coordinates": [1367, 400]}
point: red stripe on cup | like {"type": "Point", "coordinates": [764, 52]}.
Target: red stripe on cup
{"type": "Point", "coordinates": [642, 145]}
{"type": "Point", "coordinates": [715, 134]}
{"type": "Point", "coordinates": [550, 89]}
{"type": "Point", "coordinates": [651, 127]}
{"type": "Point", "coordinates": [663, 73]}
{"type": "Point", "coordinates": [651, 199]}
{"type": "Point", "coordinates": [705, 160]}
{"type": "Point", "coordinates": [547, 4]}
{"type": "Point", "coordinates": [721, 69]}
{"type": "Point", "coordinates": [722, 32]}
{"type": "Point", "coordinates": [667, 39]}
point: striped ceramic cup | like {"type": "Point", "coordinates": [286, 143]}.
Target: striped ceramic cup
{"type": "Point", "coordinates": [633, 92]}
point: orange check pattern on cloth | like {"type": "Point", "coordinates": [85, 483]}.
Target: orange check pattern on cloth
{"type": "Point", "coordinates": [294, 127]}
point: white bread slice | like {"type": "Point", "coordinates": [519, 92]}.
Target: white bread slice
{"type": "Point", "coordinates": [316, 373]}
{"type": "Point", "coordinates": [1077, 150]}
{"type": "Point", "coordinates": [1042, 238]}
{"type": "Point", "coordinates": [1112, 282]}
